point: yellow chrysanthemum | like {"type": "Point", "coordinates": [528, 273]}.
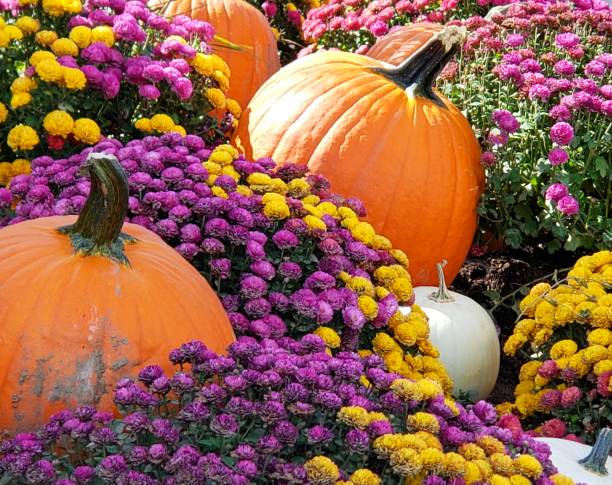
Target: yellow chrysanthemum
{"type": "Point", "coordinates": [363, 232]}
{"type": "Point", "coordinates": [45, 37]}
{"type": "Point", "coordinates": [49, 70]}
{"type": "Point", "coordinates": [3, 113]}
{"type": "Point", "coordinates": [65, 47]}
{"type": "Point", "coordinates": [402, 289]}
{"type": "Point", "coordinates": [219, 192]}
{"type": "Point", "coordinates": [559, 479]}
{"type": "Point", "coordinates": [526, 404]}
{"type": "Point", "coordinates": [27, 24]}
{"type": "Point", "coordinates": [602, 367]}
{"type": "Point", "coordinates": [13, 32]}
{"type": "Point", "coordinates": [22, 137]}
{"type": "Point", "coordinates": [471, 451]}
{"type": "Point", "coordinates": [20, 166]}
{"type": "Point", "coordinates": [81, 35]}
{"type": "Point", "coordinates": [355, 416]}
{"type": "Point", "coordinates": [329, 336]}
{"type": "Point", "coordinates": [216, 97]}
{"type": "Point", "coordinates": [104, 34]}
{"type": "Point", "coordinates": [368, 306]}
{"type": "Point", "coordinates": [20, 99]}
{"type": "Point", "coordinates": [74, 78]}
{"type": "Point", "coordinates": [490, 445]}
{"type": "Point", "coordinates": [162, 123]}
{"type": "Point", "coordinates": [563, 348]}
{"type": "Point", "coordinates": [87, 131]}
{"type": "Point", "coordinates": [363, 476]}
{"type": "Point", "coordinates": [144, 125]}
{"type": "Point", "coordinates": [221, 157]}
{"type": "Point", "coordinates": [311, 199]}
{"type": "Point", "coordinates": [58, 123]}
{"type": "Point", "coordinates": [501, 464]}
{"type": "Point", "coordinates": [499, 480]}
{"type": "Point", "coordinates": [421, 421]}
{"type": "Point", "coordinates": [528, 465]}
{"type": "Point", "coordinates": [23, 84]}
{"type": "Point", "coordinates": [320, 470]}
{"type": "Point", "coordinates": [405, 334]}
{"type": "Point", "coordinates": [314, 223]}
{"type": "Point", "coordinates": [5, 39]}
{"type": "Point", "coordinates": [233, 107]}
{"type": "Point", "coordinates": [383, 343]}
{"type": "Point", "coordinates": [406, 462]}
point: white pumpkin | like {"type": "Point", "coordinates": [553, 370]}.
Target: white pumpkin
{"type": "Point", "coordinates": [465, 335]}
{"type": "Point", "coordinates": [567, 454]}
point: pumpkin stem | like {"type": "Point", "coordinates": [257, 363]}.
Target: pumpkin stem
{"type": "Point", "coordinates": [418, 73]}
{"type": "Point", "coordinates": [97, 231]}
{"type": "Point", "coordinates": [442, 295]}
{"type": "Point", "coordinates": [596, 460]}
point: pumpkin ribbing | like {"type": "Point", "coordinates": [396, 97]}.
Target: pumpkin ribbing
{"type": "Point", "coordinates": [413, 162]}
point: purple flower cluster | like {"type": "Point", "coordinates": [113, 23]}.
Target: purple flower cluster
{"type": "Point", "coordinates": [265, 405]}
{"type": "Point", "coordinates": [535, 55]}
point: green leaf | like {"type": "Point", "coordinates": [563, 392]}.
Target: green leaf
{"type": "Point", "coordinates": [602, 166]}
{"type": "Point", "coordinates": [513, 237]}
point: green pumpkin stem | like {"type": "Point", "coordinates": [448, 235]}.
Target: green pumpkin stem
{"type": "Point", "coordinates": [442, 295]}
{"type": "Point", "coordinates": [97, 231]}
{"type": "Point", "coordinates": [418, 73]}
{"type": "Point", "coordinates": [596, 460]}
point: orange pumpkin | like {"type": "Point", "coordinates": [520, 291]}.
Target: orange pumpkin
{"type": "Point", "coordinates": [397, 46]}
{"type": "Point", "coordinates": [241, 24]}
{"type": "Point", "coordinates": [83, 305]}
{"type": "Point", "coordinates": [380, 133]}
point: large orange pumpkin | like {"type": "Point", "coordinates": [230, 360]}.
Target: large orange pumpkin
{"type": "Point", "coordinates": [380, 133]}
{"type": "Point", "coordinates": [397, 46]}
{"type": "Point", "coordinates": [244, 25]}
{"type": "Point", "coordinates": [83, 305]}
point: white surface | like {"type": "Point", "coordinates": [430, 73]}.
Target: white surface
{"type": "Point", "coordinates": [565, 456]}
{"type": "Point", "coordinates": [466, 337]}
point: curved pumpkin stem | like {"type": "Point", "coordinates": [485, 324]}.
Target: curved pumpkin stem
{"type": "Point", "coordinates": [97, 231]}
{"type": "Point", "coordinates": [418, 73]}
{"type": "Point", "coordinates": [442, 295]}
{"type": "Point", "coordinates": [596, 460]}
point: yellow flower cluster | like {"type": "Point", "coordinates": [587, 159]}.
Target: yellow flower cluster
{"type": "Point", "coordinates": [159, 123]}
{"type": "Point", "coordinates": [329, 336]}
{"type": "Point", "coordinates": [9, 170]}
{"type": "Point", "coordinates": [21, 89]}
{"type": "Point", "coordinates": [358, 417]}
{"type": "Point", "coordinates": [57, 8]}
{"type": "Point", "coordinates": [320, 470]}
{"type": "Point", "coordinates": [58, 123]}
{"type": "Point", "coordinates": [87, 131]}
{"type": "Point", "coordinates": [22, 138]}
{"type": "Point", "coordinates": [11, 32]}
{"type": "Point", "coordinates": [50, 70]}
{"type": "Point", "coordinates": [583, 299]}
{"type": "Point", "coordinates": [416, 455]}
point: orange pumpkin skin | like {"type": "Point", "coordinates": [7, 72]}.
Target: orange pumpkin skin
{"type": "Point", "coordinates": [400, 44]}
{"type": "Point", "coordinates": [413, 161]}
{"type": "Point", "coordinates": [242, 24]}
{"type": "Point", "coordinates": [72, 325]}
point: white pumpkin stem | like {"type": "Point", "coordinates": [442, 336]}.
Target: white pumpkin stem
{"type": "Point", "coordinates": [443, 295]}
{"type": "Point", "coordinates": [596, 460]}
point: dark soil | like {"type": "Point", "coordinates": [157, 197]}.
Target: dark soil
{"type": "Point", "coordinates": [506, 275]}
